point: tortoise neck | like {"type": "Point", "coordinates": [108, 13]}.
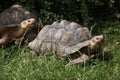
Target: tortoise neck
{"type": "Point", "coordinates": [92, 44]}
{"type": "Point", "coordinates": [19, 31]}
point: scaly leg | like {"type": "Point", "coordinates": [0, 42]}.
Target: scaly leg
{"type": "Point", "coordinates": [3, 40]}
{"type": "Point", "coordinates": [81, 59]}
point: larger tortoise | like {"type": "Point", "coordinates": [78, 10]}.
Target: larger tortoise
{"type": "Point", "coordinates": [11, 20]}
{"type": "Point", "coordinates": [67, 38]}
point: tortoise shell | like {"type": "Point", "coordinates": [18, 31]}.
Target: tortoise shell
{"type": "Point", "coordinates": [14, 15]}
{"type": "Point", "coordinates": [64, 37]}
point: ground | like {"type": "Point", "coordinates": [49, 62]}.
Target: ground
{"type": "Point", "coordinates": [17, 63]}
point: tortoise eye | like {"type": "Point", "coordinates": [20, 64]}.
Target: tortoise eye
{"type": "Point", "coordinates": [97, 38]}
{"type": "Point", "coordinates": [29, 21]}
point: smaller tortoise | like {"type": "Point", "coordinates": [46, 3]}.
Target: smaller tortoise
{"type": "Point", "coordinates": [15, 33]}
{"type": "Point", "coordinates": [67, 38]}
{"type": "Point", "coordinates": [11, 20]}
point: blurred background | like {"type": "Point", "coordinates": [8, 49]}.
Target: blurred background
{"type": "Point", "coordinates": [85, 12]}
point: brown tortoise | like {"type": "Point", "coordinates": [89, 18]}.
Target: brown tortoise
{"type": "Point", "coordinates": [10, 24]}
{"type": "Point", "coordinates": [67, 38]}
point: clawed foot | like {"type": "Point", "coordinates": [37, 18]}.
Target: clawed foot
{"type": "Point", "coordinates": [81, 59]}
{"type": "Point", "coordinates": [3, 40]}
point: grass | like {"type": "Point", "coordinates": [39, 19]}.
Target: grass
{"type": "Point", "coordinates": [16, 63]}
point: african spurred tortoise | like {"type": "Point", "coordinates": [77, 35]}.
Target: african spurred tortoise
{"type": "Point", "coordinates": [66, 38]}
{"type": "Point", "coordinates": [11, 20]}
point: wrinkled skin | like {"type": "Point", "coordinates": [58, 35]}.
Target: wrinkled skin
{"type": "Point", "coordinates": [15, 33]}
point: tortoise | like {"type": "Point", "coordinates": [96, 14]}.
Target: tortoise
{"type": "Point", "coordinates": [15, 33]}
{"type": "Point", "coordinates": [11, 20]}
{"type": "Point", "coordinates": [67, 38]}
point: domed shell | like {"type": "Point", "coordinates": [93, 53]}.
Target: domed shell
{"type": "Point", "coordinates": [14, 15]}
{"type": "Point", "coordinates": [64, 37]}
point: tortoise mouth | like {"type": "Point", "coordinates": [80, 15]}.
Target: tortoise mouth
{"type": "Point", "coordinates": [33, 23]}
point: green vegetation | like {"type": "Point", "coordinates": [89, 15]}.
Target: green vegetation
{"type": "Point", "coordinates": [17, 63]}
{"type": "Point", "coordinates": [86, 12]}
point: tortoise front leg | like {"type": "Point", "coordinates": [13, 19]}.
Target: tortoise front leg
{"type": "Point", "coordinates": [81, 59]}
{"type": "Point", "coordinates": [3, 40]}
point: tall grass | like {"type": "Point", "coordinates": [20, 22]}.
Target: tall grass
{"type": "Point", "coordinates": [16, 63]}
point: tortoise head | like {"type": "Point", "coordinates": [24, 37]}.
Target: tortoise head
{"type": "Point", "coordinates": [96, 40]}
{"type": "Point", "coordinates": [26, 23]}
